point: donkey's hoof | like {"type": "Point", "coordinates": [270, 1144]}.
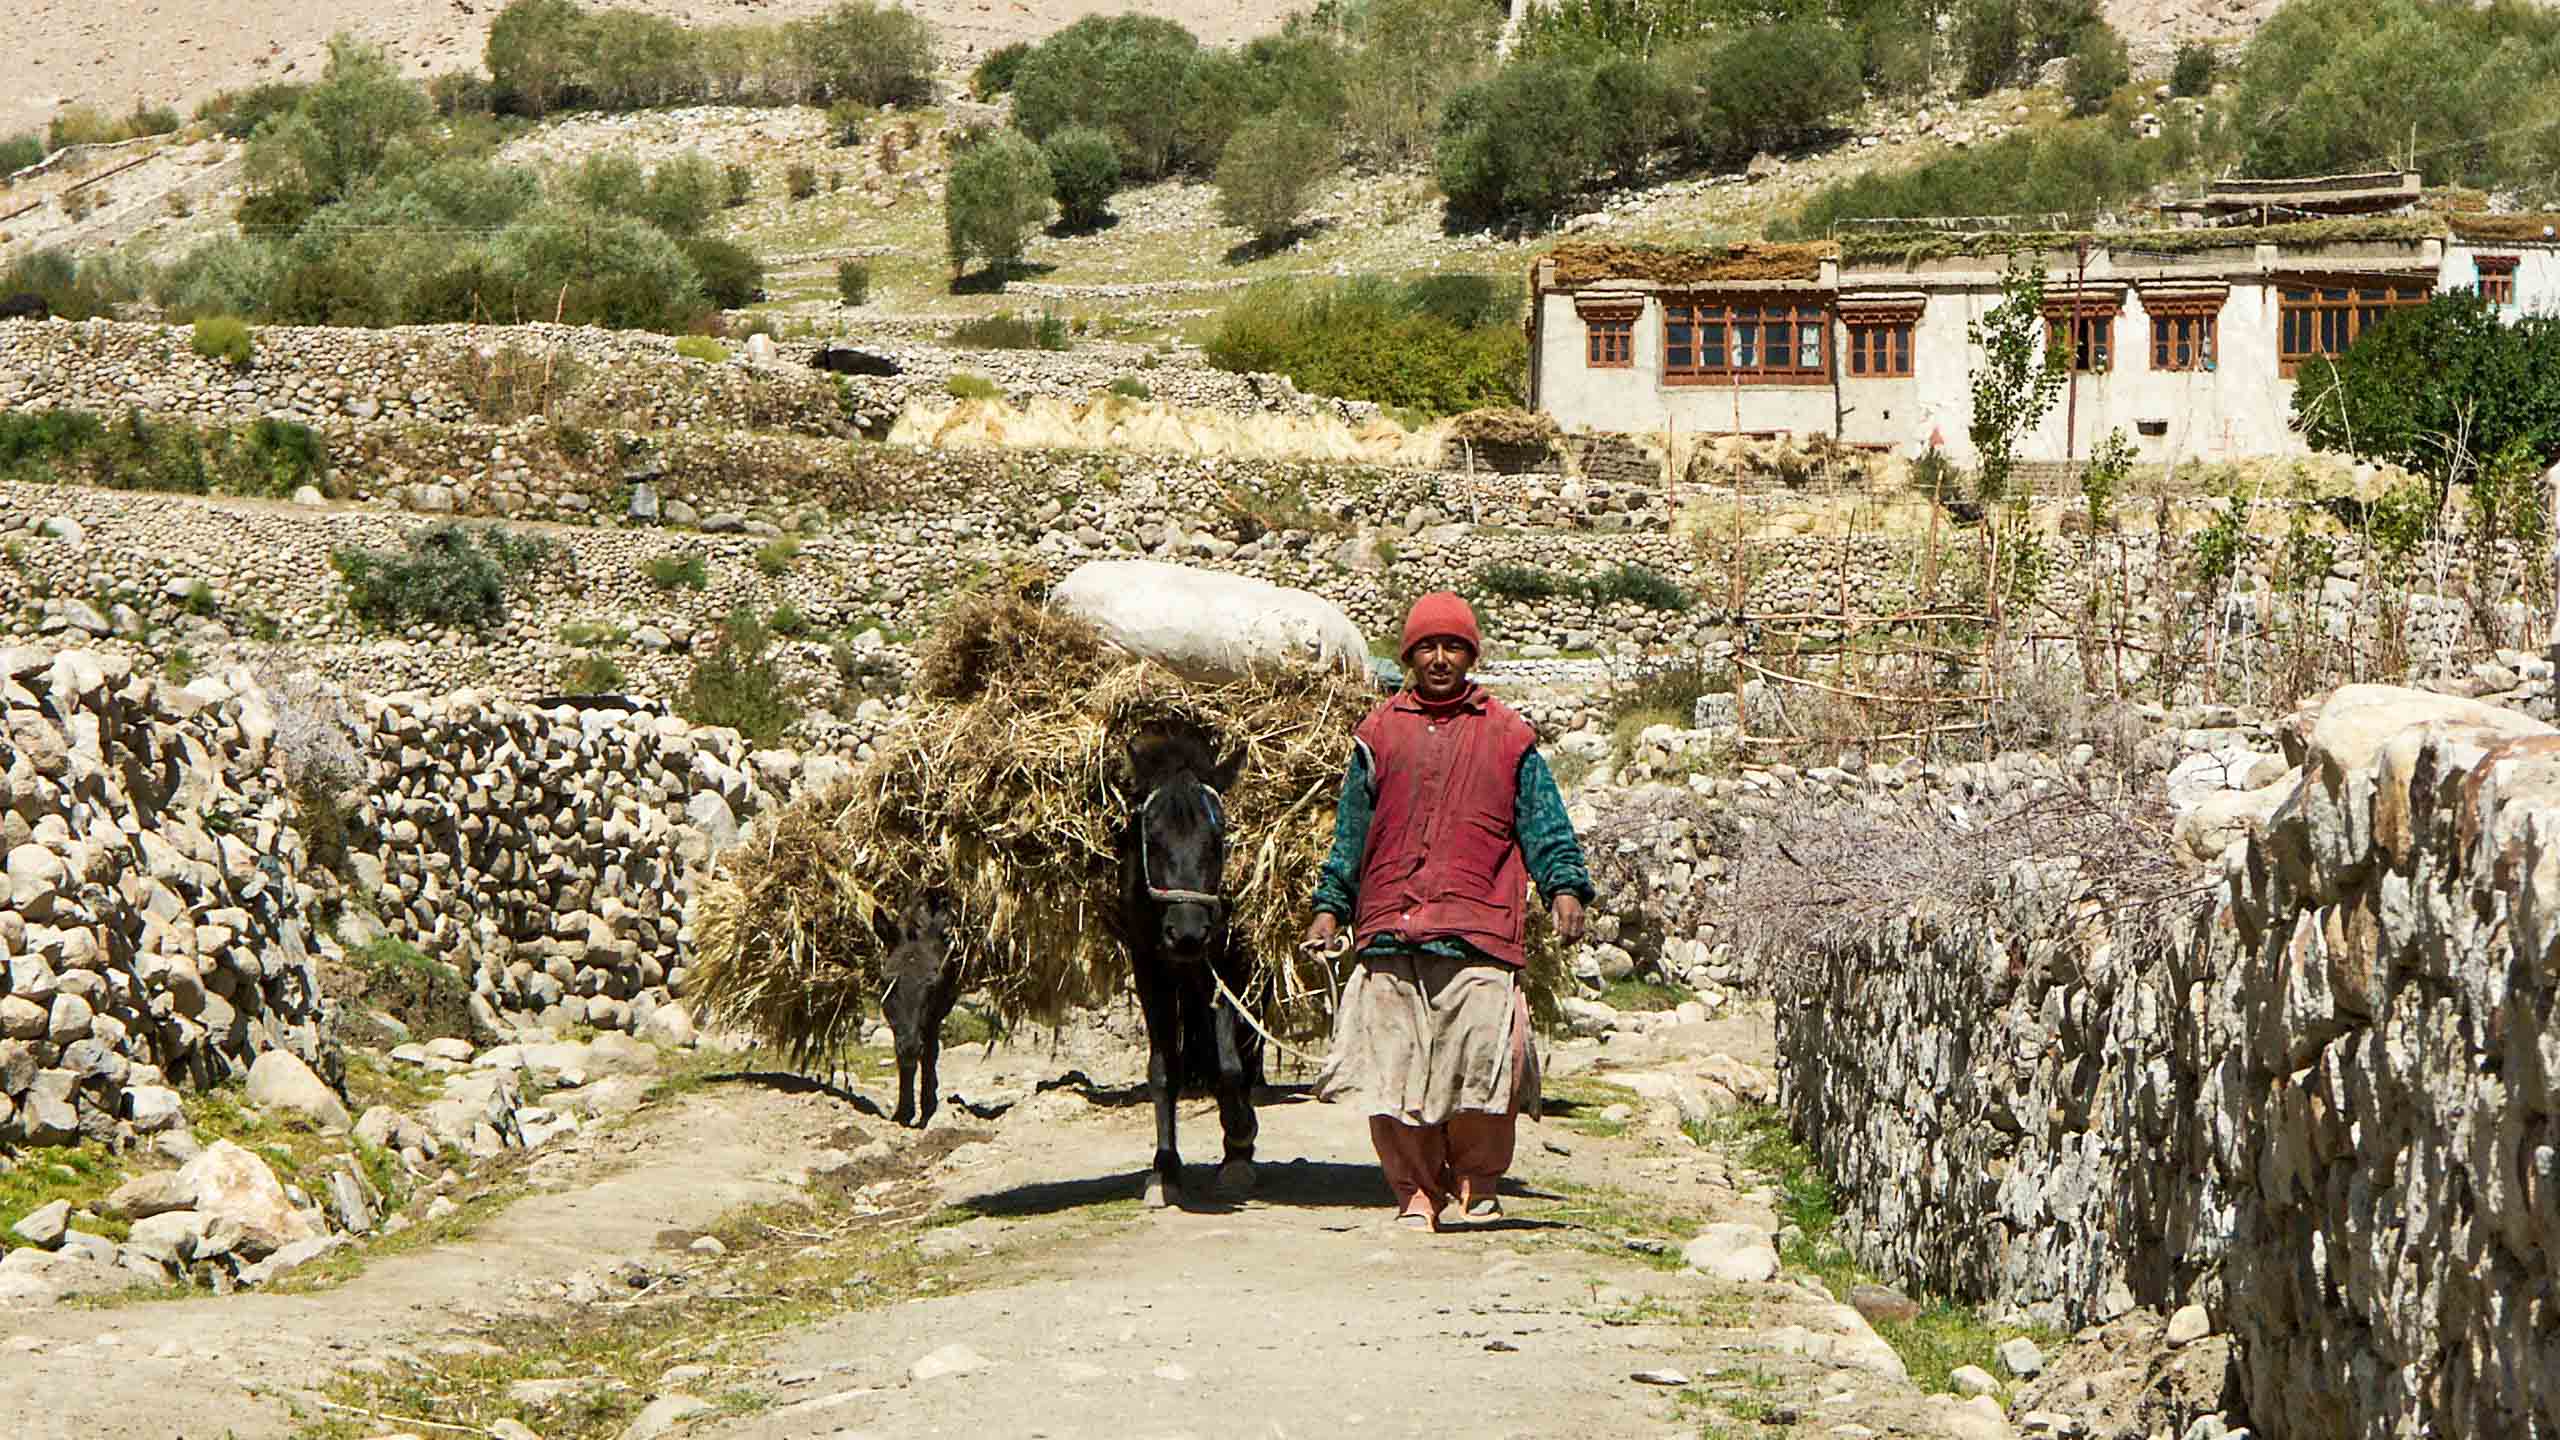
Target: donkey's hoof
{"type": "Point", "coordinates": [1235, 1179]}
{"type": "Point", "coordinates": [1154, 1195]}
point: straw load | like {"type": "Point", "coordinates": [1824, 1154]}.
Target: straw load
{"type": "Point", "coordinates": [1006, 791]}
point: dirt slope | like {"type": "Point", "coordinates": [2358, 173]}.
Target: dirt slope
{"type": "Point", "coordinates": [110, 52]}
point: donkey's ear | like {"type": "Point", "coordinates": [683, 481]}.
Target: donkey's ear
{"type": "Point", "coordinates": [1222, 775]}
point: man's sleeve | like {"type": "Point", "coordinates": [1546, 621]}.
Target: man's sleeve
{"type": "Point", "coordinates": [1338, 884]}
{"type": "Point", "coordinates": [1547, 841]}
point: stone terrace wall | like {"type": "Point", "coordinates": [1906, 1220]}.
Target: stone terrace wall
{"type": "Point", "coordinates": [2324, 1104]}
{"type": "Point", "coordinates": [163, 922]}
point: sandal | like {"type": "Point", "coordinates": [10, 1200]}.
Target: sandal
{"type": "Point", "coordinates": [1419, 1222]}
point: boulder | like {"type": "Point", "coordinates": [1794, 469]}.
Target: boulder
{"type": "Point", "coordinates": [242, 1204]}
{"type": "Point", "coordinates": [1736, 1253]}
{"type": "Point", "coordinates": [157, 1193]}
{"type": "Point", "coordinates": [43, 1226]}
{"type": "Point", "coordinates": [280, 1081]}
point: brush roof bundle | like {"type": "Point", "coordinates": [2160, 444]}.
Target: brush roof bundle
{"type": "Point", "coordinates": [1006, 790]}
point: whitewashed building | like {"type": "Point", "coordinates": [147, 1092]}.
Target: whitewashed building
{"type": "Point", "coordinates": [2190, 341]}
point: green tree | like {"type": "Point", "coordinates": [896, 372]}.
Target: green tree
{"type": "Point", "coordinates": [1773, 86]}
{"type": "Point", "coordinates": [1407, 59]}
{"type": "Point", "coordinates": [1990, 43]}
{"type": "Point", "coordinates": [875, 54]}
{"type": "Point", "coordinates": [531, 53]}
{"type": "Point", "coordinates": [996, 195]}
{"type": "Point", "coordinates": [1126, 75]}
{"type": "Point", "coordinates": [2099, 68]}
{"type": "Point", "coordinates": [1084, 170]}
{"type": "Point", "coordinates": [2192, 73]}
{"type": "Point", "coordinates": [1270, 168]}
{"type": "Point", "coordinates": [1519, 143]}
{"type": "Point", "coordinates": [2016, 382]}
{"type": "Point", "coordinates": [2445, 391]}
{"type": "Point", "coordinates": [347, 130]}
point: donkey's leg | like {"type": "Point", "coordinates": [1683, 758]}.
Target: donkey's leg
{"type": "Point", "coordinates": [1164, 1038]}
{"type": "Point", "coordinates": [1236, 1076]}
{"type": "Point", "coordinates": [928, 1068]}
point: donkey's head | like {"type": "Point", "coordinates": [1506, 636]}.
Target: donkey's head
{"type": "Point", "coordinates": [1179, 836]}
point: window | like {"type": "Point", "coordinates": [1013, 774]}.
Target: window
{"type": "Point", "coordinates": [2091, 336]}
{"type": "Point", "coordinates": [1611, 342]}
{"type": "Point", "coordinates": [1743, 344]}
{"type": "Point", "coordinates": [1880, 343]}
{"type": "Point", "coordinates": [2182, 339]}
{"type": "Point", "coordinates": [2497, 278]}
{"type": "Point", "coordinates": [2325, 318]}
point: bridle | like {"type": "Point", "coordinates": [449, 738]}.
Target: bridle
{"type": "Point", "coordinates": [1146, 864]}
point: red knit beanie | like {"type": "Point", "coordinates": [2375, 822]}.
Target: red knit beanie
{"type": "Point", "coordinates": [1440, 614]}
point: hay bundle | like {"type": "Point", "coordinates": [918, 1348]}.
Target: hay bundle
{"type": "Point", "coordinates": [1007, 790]}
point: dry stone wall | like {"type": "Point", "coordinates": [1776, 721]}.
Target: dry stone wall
{"type": "Point", "coordinates": [2322, 1103]}
{"type": "Point", "coordinates": [165, 921]}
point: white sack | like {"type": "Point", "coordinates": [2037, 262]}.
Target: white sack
{"type": "Point", "coordinates": [1208, 626]}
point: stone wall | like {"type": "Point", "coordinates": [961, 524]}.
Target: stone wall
{"type": "Point", "coordinates": [2323, 1102]}
{"type": "Point", "coordinates": [165, 922]}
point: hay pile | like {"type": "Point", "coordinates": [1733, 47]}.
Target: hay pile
{"type": "Point", "coordinates": [1006, 790]}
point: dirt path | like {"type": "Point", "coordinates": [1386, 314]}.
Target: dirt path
{"type": "Point", "coordinates": [1037, 1300]}
{"type": "Point", "coordinates": [237, 1365]}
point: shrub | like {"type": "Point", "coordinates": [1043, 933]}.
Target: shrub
{"type": "Point", "coordinates": [731, 275]}
{"type": "Point", "coordinates": [1125, 75]}
{"type": "Point", "coordinates": [446, 575]}
{"type": "Point", "coordinates": [844, 123]}
{"type": "Point", "coordinates": [742, 183]}
{"type": "Point", "coordinates": [457, 93]}
{"type": "Point", "coordinates": [17, 152]}
{"type": "Point", "coordinates": [1084, 170]}
{"type": "Point", "coordinates": [853, 281]}
{"type": "Point", "coordinates": [532, 53]}
{"type": "Point", "coordinates": [2099, 68]}
{"type": "Point", "coordinates": [224, 338]}
{"type": "Point", "coordinates": [1518, 143]}
{"type": "Point", "coordinates": [2192, 73]}
{"type": "Point", "coordinates": [1635, 585]}
{"type": "Point", "coordinates": [964, 386]}
{"type": "Point", "coordinates": [278, 457]}
{"type": "Point", "coordinates": [1369, 339]}
{"type": "Point", "coordinates": [877, 55]}
{"type": "Point", "coordinates": [702, 348]}
{"type": "Point", "coordinates": [788, 621]}
{"type": "Point", "coordinates": [1128, 389]}
{"type": "Point", "coordinates": [1778, 85]}
{"type": "Point", "coordinates": [996, 194]}
{"type": "Point", "coordinates": [1990, 43]}
{"type": "Point", "coordinates": [775, 557]}
{"type": "Point", "coordinates": [353, 125]}
{"type": "Point", "coordinates": [800, 181]}
{"type": "Point", "coordinates": [995, 74]}
{"type": "Point", "coordinates": [592, 675]}
{"type": "Point", "coordinates": [736, 683]}
{"type": "Point", "coordinates": [2068, 167]}
{"type": "Point", "coordinates": [1270, 167]}
{"type": "Point", "coordinates": [1409, 57]}
{"type": "Point", "coordinates": [1011, 332]}
{"type": "Point", "coordinates": [676, 570]}
{"type": "Point", "coordinates": [1519, 582]}
{"type": "Point", "coordinates": [236, 114]}
{"type": "Point", "coordinates": [75, 287]}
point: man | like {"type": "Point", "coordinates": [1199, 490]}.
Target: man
{"type": "Point", "coordinates": [1448, 814]}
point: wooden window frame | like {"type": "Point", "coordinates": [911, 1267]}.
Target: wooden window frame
{"type": "Point", "coordinates": [2094, 314]}
{"type": "Point", "coordinates": [1609, 336]}
{"type": "Point", "coordinates": [1728, 317]}
{"type": "Point", "coordinates": [2497, 278]}
{"type": "Point", "coordinates": [1881, 344]}
{"type": "Point", "coordinates": [2191, 325]}
{"type": "Point", "coordinates": [2322, 315]}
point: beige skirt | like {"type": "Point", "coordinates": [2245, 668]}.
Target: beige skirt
{"type": "Point", "coordinates": [1420, 1038]}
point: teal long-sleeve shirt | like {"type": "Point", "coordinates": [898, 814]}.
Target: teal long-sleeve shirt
{"type": "Point", "coordinates": [1547, 845]}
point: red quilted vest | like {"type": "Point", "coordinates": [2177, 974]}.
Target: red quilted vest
{"type": "Point", "coordinates": [1444, 854]}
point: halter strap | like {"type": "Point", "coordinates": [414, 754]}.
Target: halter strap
{"type": "Point", "coordinates": [1146, 867]}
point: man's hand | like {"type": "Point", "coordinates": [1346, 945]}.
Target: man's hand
{"type": "Point", "coordinates": [1321, 932]}
{"type": "Point", "coordinates": [1569, 921]}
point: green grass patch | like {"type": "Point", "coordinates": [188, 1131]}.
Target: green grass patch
{"type": "Point", "coordinates": [84, 1174]}
{"type": "Point", "coordinates": [1945, 1336]}
{"type": "Point", "coordinates": [1645, 995]}
{"type": "Point", "coordinates": [788, 1266]}
{"type": "Point", "coordinates": [676, 570]}
{"type": "Point", "coordinates": [1608, 1217]}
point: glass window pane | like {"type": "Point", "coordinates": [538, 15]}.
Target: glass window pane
{"type": "Point", "coordinates": [1809, 343]}
{"type": "Point", "coordinates": [1780, 340]}
{"type": "Point", "coordinates": [1711, 354]}
{"type": "Point", "coordinates": [1746, 344]}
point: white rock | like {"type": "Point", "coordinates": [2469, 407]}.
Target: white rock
{"type": "Point", "coordinates": [952, 1359]}
{"type": "Point", "coordinates": [2020, 1357]}
{"type": "Point", "coordinates": [280, 1081]}
{"type": "Point", "coordinates": [1737, 1253]}
{"type": "Point", "coordinates": [661, 1416]}
{"type": "Point", "coordinates": [242, 1203]}
{"type": "Point", "coordinates": [2189, 1325]}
